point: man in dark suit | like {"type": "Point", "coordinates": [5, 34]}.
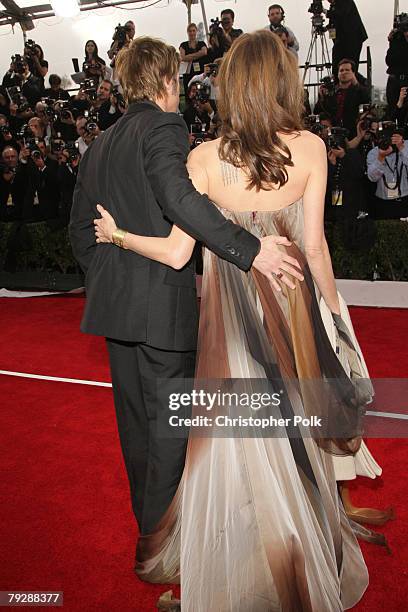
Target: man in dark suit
{"type": "Point", "coordinates": [350, 33]}
{"type": "Point", "coordinates": [148, 311]}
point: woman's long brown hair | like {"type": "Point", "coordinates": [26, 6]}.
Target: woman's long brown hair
{"type": "Point", "coordinates": [260, 95]}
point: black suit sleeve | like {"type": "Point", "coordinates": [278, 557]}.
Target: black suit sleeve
{"type": "Point", "coordinates": [166, 148]}
{"type": "Point", "coordinates": [83, 212]}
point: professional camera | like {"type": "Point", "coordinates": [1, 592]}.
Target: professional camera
{"type": "Point", "coordinates": [57, 144]}
{"type": "Point", "coordinates": [32, 146]}
{"type": "Point", "coordinates": [385, 132]}
{"type": "Point", "coordinates": [401, 22]}
{"type": "Point", "coordinates": [119, 98]}
{"type": "Point", "coordinates": [6, 169]}
{"type": "Point", "coordinates": [92, 66]}
{"type": "Point", "coordinates": [25, 132]}
{"type": "Point", "coordinates": [312, 124]}
{"type": "Point", "coordinates": [215, 26]}
{"type": "Point", "coordinates": [89, 87]}
{"type": "Point", "coordinates": [329, 82]}
{"type": "Point", "coordinates": [73, 153]}
{"type": "Point", "coordinates": [336, 138]}
{"type": "Point", "coordinates": [92, 118]}
{"type": "Point", "coordinates": [214, 68]}
{"type": "Point", "coordinates": [64, 109]}
{"type": "Point", "coordinates": [29, 47]}
{"type": "Point", "coordinates": [19, 63]}
{"type": "Point", "coordinates": [16, 97]}
{"type": "Point", "coordinates": [120, 35]}
{"type": "Point", "coordinates": [199, 132]}
{"type": "Point", "coordinates": [367, 122]}
{"type": "Point", "coordinates": [203, 92]}
{"type": "Point", "coordinates": [317, 10]}
{"type": "Point", "coordinates": [4, 129]}
{"type": "Point", "coordinates": [49, 109]}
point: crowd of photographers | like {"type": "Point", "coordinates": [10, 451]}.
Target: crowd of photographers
{"type": "Point", "coordinates": [45, 131]}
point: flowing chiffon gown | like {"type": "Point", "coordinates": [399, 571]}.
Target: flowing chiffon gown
{"type": "Point", "coordinates": [257, 524]}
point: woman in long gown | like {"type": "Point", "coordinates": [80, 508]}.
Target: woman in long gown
{"type": "Point", "coordinates": [257, 524]}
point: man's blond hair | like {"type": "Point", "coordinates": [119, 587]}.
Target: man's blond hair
{"type": "Point", "coordinates": [143, 65]}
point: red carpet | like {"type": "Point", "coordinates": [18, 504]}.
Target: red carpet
{"type": "Point", "coordinates": [66, 520]}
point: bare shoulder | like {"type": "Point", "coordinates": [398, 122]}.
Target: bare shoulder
{"type": "Point", "coordinates": [204, 153]}
{"type": "Point", "coordinates": [307, 142]}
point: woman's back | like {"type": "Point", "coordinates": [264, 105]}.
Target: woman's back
{"type": "Point", "coordinates": [227, 185]}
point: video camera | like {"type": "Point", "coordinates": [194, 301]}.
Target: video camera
{"type": "Point", "coordinates": [215, 26]}
{"type": "Point", "coordinates": [16, 97]}
{"type": "Point", "coordinates": [401, 22]}
{"type": "Point", "coordinates": [317, 10]}
{"type": "Point", "coordinates": [385, 132]}
{"type": "Point", "coordinates": [120, 34]}
{"type": "Point", "coordinates": [336, 138]}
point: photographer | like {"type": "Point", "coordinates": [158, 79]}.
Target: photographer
{"type": "Point", "coordinates": [87, 131]}
{"type": "Point", "coordinates": [109, 105]}
{"type": "Point", "coordinates": [218, 43]}
{"type": "Point", "coordinates": [34, 56]}
{"type": "Point", "coordinates": [122, 37]}
{"type": "Point", "coordinates": [198, 109]}
{"type": "Point", "coordinates": [342, 101]}
{"type": "Point", "coordinates": [7, 138]}
{"type": "Point", "coordinates": [347, 30]}
{"type": "Point", "coordinates": [13, 184]}
{"type": "Point", "coordinates": [64, 120]}
{"type": "Point", "coordinates": [209, 79]}
{"type": "Point", "coordinates": [193, 51]}
{"type": "Point", "coordinates": [276, 16]}
{"type": "Point", "coordinates": [19, 75]}
{"type": "Point", "coordinates": [400, 113]}
{"type": "Point", "coordinates": [397, 60]}
{"type": "Point", "coordinates": [227, 22]}
{"type": "Point", "coordinates": [55, 91]}
{"type": "Point", "coordinates": [387, 166]}
{"type": "Point", "coordinates": [92, 53]}
{"type": "Point", "coordinates": [43, 193]}
{"type": "Point", "coordinates": [67, 177]}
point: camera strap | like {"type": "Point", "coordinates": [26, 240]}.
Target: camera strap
{"type": "Point", "coordinates": [397, 171]}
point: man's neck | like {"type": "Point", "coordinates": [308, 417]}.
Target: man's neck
{"type": "Point", "coordinates": [345, 85]}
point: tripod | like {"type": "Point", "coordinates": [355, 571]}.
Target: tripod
{"type": "Point", "coordinates": [318, 55]}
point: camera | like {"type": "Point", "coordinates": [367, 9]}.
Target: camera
{"type": "Point", "coordinates": [16, 97]}
{"type": "Point", "coordinates": [64, 108]}
{"type": "Point", "coordinates": [57, 144]}
{"type": "Point", "coordinates": [119, 98]}
{"type": "Point", "coordinates": [25, 132]}
{"type": "Point", "coordinates": [329, 82]}
{"type": "Point", "coordinates": [203, 92]}
{"type": "Point", "coordinates": [214, 68]}
{"type": "Point", "coordinates": [385, 132]}
{"type": "Point", "coordinates": [120, 35]}
{"type": "Point", "coordinates": [198, 130]}
{"type": "Point", "coordinates": [317, 10]}
{"type": "Point", "coordinates": [401, 22]}
{"type": "Point", "coordinates": [4, 129]}
{"type": "Point", "coordinates": [73, 153]}
{"type": "Point", "coordinates": [92, 118]}
{"type": "Point", "coordinates": [19, 63]}
{"type": "Point", "coordinates": [88, 86]}
{"type": "Point", "coordinates": [336, 138]}
{"type": "Point", "coordinates": [312, 124]}
{"type": "Point", "coordinates": [32, 146]}
{"type": "Point", "coordinates": [215, 25]}
{"type": "Point", "coordinates": [49, 109]}
{"type": "Point", "coordinates": [29, 47]}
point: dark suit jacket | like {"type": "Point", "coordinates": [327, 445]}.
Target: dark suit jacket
{"type": "Point", "coordinates": [349, 25]}
{"type": "Point", "coordinates": [137, 170]}
{"type": "Point", "coordinates": [355, 95]}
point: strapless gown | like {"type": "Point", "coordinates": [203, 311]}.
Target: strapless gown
{"type": "Point", "coordinates": [257, 524]}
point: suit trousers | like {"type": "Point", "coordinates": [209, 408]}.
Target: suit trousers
{"type": "Point", "coordinates": [154, 464]}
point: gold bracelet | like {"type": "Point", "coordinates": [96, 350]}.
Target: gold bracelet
{"type": "Point", "coordinates": [118, 237]}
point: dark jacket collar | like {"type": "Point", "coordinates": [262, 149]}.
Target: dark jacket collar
{"type": "Point", "coordinates": [136, 107]}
